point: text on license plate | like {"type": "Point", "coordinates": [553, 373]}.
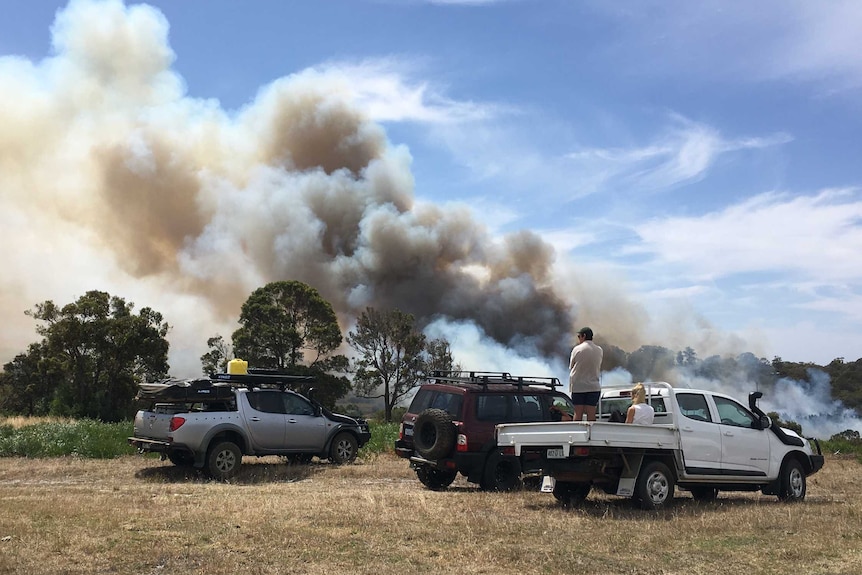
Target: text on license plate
{"type": "Point", "coordinates": [556, 453]}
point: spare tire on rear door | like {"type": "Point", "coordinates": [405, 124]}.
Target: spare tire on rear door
{"type": "Point", "coordinates": [433, 434]}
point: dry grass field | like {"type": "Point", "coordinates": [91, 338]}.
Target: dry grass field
{"type": "Point", "coordinates": [140, 515]}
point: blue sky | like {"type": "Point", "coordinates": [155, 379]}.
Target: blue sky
{"type": "Point", "coordinates": [694, 165]}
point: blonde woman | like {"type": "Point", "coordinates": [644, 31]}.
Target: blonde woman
{"type": "Point", "coordinates": [640, 411]}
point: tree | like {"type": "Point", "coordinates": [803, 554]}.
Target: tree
{"type": "Point", "coordinates": [28, 382]}
{"type": "Point", "coordinates": [215, 360]}
{"type": "Point", "coordinates": [439, 356]}
{"type": "Point", "coordinates": [687, 357]}
{"type": "Point", "coordinates": [792, 425]}
{"type": "Point", "coordinates": [283, 321]}
{"type": "Point", "coordinates": [94, 354]}
{"type": "Point", "coordinates": [288, 326]}
{"type": "Point", "coordinates": [650, 362]}
{"type": "Point", "coordinates": [393, 356]}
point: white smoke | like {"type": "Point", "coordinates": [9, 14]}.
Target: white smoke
{"type": "Point", "coordinates": [113, 178]}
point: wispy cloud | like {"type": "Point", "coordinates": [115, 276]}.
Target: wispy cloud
{"type": "Point", "coordinates": [388, 90]}
{"type": "Point", "coordinates": [683, 153]}
{"type": "Point", "coordinates": [772, 40]}
{"type": "Point", "coordinates": [813, 238]}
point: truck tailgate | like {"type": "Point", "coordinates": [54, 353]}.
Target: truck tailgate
{"type": "Point", "coordinates": [573, 434]}
{"type": "Point", "coordinates": [152, 425]}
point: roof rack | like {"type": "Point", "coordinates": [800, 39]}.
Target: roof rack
{"type": "Point", "coordinates": [259, 378]}
{"type": "Point", "coordinates": [216, 387]}
{"type": "Point", "coordinates": [485, 378]}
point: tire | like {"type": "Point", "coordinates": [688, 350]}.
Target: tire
{"type": "Point", "coordinates": [792, 482]}
{"type": "Point", "coordinates": [654, 487]}
{"type": "Point", "coordinates": [223, 460]}
{"type": "Point", "coordinates": [571, 494]}
{"type": "Point", "coordinates": [343, 449]}
{"type": "Point", "coordinates": [181, 458]}
{"type": "Point", "coordinates": [501, 473]}
{"type": "Point", "coordinates": [433, 434]}
{"type": "Point", "coordinates": [704, 494]}
{"type": "Point", "coordinates": [435, 479]}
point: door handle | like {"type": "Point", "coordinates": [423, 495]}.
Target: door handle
{"type": "Point", "coordinates": [291, 421]}
{"type": "Point", "coordinates": [255, 419]}
{"type": "Point", "coordinates": [687, 429]}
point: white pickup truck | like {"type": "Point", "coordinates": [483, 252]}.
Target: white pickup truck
{"type": "Point", "coordinates": [700, 441]}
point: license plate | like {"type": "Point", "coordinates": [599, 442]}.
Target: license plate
{"type": "Point", "coordinates": [556, 453]}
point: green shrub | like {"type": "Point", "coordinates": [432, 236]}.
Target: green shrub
{"type": "Point", "coordinates": [84, 438]}
{"type": "Point", "coordinates": [383, 436]}
{"type": "Point", "coordinates": [97, 440]}
{"type": "Point", "coordinates": [847, 442]}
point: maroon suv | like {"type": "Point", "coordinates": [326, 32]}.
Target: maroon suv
{"type": "Point", "coordinates": [449, 427]}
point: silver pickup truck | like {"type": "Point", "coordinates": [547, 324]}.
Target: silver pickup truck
{"type": "Point", "coordinates": [212, 423]}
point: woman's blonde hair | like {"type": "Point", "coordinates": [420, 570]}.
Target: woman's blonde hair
{"type": "Point", "coordinates": [638, 394]}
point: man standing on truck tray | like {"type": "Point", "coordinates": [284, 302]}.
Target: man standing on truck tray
{"type": "Point", "coordinates": [585, 366]}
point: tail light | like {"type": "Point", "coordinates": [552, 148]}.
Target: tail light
{"type": "Point", "coordinates": [401, 432]}
{"type": "Point", "coordinates": [583, 451]}
{"type": "Point", "coordinates": [508, 450]}
{"type": "Point", "coordinates": [461, 445]}
{"type": "Point", "coordinates": [176, 422]}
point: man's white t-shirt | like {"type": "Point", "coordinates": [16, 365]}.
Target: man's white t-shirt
{"type": "Point", "coordinates": [585, 366]}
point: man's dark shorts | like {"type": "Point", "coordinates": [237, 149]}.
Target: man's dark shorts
{"type": "Point", "coordinates": [590, 398]}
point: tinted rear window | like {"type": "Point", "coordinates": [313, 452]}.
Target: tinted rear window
{"type": "Point", "coordinates": [506, 407]}
{"type": "Point", "coordinates": [623, 403]}
{"type": "Point", "coordinates": [435, 399]}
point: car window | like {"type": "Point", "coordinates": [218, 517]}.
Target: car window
{"type": "Point", "coordinates": [529, 408]}
{"type": "Point", "coordinates": [622, 404]}
{"type": "Point", "coordinates": [435, 399]}
{"type": "Point", "coordinates": [266, 401]}
{"type": "Point", "coordinates": [732, 413]}
{"type": "Point", "coordinates": [559, 401]}
{"type": "Point", "coordinates": [693, 406]}
{"type": "Point", "coordinates": [295, 405]}
{"type": "Point", "coordinates": [496, 408]}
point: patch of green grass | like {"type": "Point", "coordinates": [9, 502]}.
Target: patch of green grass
{"type": "Point", "coordinates": [98, 440]}
{"type": "Point", "coordinates": [83, 438]}
{"type": "Point", "coordinates": [843, 446]}
{"type": "Point", "coordinates": [383, 436]}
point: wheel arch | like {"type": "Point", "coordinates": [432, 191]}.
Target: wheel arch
{"type": "Point", "coordinates": [334, 433]}
{"type": "Point", "coordinates": [799, 456]}
{"type": "Point", "coordinates": [666, 458]}
{"type": "Point", "coordinates": [217, 434]}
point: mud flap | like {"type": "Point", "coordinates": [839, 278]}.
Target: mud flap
{"type": "Point", "coordinates": [629, 476]}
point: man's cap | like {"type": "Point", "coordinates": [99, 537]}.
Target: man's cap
{"type": "Point", "coordinates": [586, 332]}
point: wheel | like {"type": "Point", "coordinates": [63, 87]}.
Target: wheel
{"type": "Point", "coordinates": [655, 484]}
{"type": "Point", "coordinates": [343, 449]}
{"type": "Point", "coordinates": [433, 434]}
{"type": "Point", "coordinates": [223, 460]}
{"type": "Point", "coordinates": [181, 458]}
{"type": "Point", "coordinates": [502, 473]}
{"type": "Point", "coordinates": [435, 479]}
{"type": "Point", "coordinates": [570, 493]}
{"type": "Point", "coordinates": [792, 482]}
{"type": "Point", "coordinates": [704, 494]}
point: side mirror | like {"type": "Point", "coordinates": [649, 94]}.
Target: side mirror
{"type": "Point", "coordinates": [765, 422]}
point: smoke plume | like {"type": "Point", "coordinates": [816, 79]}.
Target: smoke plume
{"type": "Point", "coordinates": [113, 178]}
